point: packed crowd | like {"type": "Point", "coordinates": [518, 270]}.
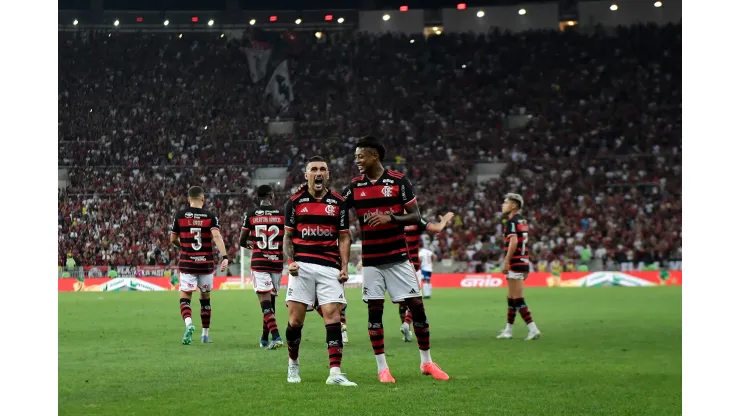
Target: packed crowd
{"type": "Point", "coordinates": [143, 116]}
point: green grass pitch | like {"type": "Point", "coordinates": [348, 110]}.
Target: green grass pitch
{"type": "Point", "coordinates": [604, 351]}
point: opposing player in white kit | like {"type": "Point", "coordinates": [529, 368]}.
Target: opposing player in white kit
{"type": "Point", "coordinates": [317, 246]}
{"type": "Point", "coordinates": [262, 232]}
{"type": "Point", "coordinates": [427, 258]}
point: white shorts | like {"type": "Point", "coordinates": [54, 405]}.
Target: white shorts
{"type": "Point", "coordinates": [419, 277]}
{"type": "Point", "coordinates": [265, 282]}
{"type": "Point", "coordinates": [516, 275]}
{"type": "Point", "coordinates": [398, 279]}
{"type": "Point", "coordinates": [315, 282]}
{"type": "Point", "coordinates": [190, 282]}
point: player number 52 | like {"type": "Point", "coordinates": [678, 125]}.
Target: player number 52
{"type": "Point", "coordinates": [267, 241]}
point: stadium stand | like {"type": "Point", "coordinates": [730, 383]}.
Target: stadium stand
{"type": "Point", "coordinates": [597, 158]}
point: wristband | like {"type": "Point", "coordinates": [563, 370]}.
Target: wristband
{"type": "Point", "coordinates": [226, 257]}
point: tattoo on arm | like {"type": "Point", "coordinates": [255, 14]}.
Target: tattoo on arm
{"type": "Point", "coordinates": [288, 249]}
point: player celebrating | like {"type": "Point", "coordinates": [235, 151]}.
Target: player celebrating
{"type": "Point", "coordinates": [317, 246]}
{"type": "Point", "coordinates": [379, 198]}
{"type": "Point", "coordinates": [262, 232]}
{"type": "Point", "coordinates": [195, 230]}
{"type": "Point", "coordinates": [516, 265]}
{"type": "Point", "coordinates": [413, 241]}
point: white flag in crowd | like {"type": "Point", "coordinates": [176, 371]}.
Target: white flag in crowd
{"type": "Point", "coordinates": [257, 59]}
{"type": "Point", "coordinates": [279, 89]}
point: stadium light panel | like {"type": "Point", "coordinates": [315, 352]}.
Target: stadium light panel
{"type": "Point", "coordinates": [658, 4]}
{"type": "Point", "coordinates": [480, 13]}
{"type": "Point", "coordinates": [252, 22]}
{"type": "Point", "coordinates": [340, 20]}
{"type": "Point", "coordinates": [210, 22]}
{"type": "Point", "coordinates": [75, 22]}
{"type": "Point", "coordinates": [166, 22]}
{"type": "Point", "coordinates": [522, 12]}
{"type": "Point", "coordinates": [614, 7]}
{"type": "Point", "coordinates": [116, 23]}
{"type": "Point", "coordinates": [386, 17]}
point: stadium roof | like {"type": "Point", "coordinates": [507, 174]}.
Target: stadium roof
{"type": "Point", "coordinates": [173, 5]}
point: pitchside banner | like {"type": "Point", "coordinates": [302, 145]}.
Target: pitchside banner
{"type": "Point", "coordinates": [442, 280]}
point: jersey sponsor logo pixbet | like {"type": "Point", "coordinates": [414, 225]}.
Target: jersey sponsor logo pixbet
{"type": "Point", "coordinates": [316, 232]}
{"type": "Point", "coordinates": [367, 215]}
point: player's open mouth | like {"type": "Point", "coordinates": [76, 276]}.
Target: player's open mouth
{"type": "Point", "coordinates": [360, 167]}
{"type": "Point", "coordinates": [318, 181]}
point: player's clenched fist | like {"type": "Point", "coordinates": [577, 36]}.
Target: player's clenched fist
{"type": "Point", "coordinates": [293, 269]}
{"type": "Point", "coordinates": [224, 264]}
{"type": "Point", "coordinates": [343, 275]}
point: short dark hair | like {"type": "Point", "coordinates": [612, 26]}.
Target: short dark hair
{"type": "Point", "coordinates": [316, 159]}
{"type": "Point", "coordinates": [372, 142]}
{"type": "Point", "coordinates": [264, 190]}
{"type": "Point", "coordinates": [195, 192]}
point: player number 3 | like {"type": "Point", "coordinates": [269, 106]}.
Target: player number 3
{"type": "Point", "coordinates": [267, 242]}
{"type": "Point", "coordinates": [198, 240]}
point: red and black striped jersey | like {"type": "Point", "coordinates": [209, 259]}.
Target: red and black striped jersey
{"type": "Point", "coordinates": [316, 224]}
{"type": "Point", "coordinates": [265, 225]}
{"type": "Point", "coordinates": [194, 227]}
{"type": "Point", "coordinates": [518, 226]}
{"type": "Point", "coordinates": [413, 240]}
{"type": "Point", "coordinates": [388, 195]}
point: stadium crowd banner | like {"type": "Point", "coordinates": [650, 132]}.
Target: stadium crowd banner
{"type": "Point", "coordinates": [442, 280]}
{"type": "Point", "coordinates": [127, 271]}
{"type": "Point", "coordinates": [95, 271]}
{"type": "Point", "coordinates": [566, 279]}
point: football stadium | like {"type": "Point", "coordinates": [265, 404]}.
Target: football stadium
{"type": "Point", "coordinates": [378, 208]}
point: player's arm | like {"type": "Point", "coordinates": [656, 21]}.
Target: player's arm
{"type": "Point", "coordinates": [218, 239]}
{"type": "Point", "coordinates": [290, 224]}
{"type": "Point", "coordinates": [175, 232]}
{"type": "Point", "coordinates": [513, 241]}
{"type": "Point", "coordinates": [411, 217]}
{"type": "Point", "coordinates": [349, 197]}
{"type": "Point", "coordinates": [434, 257]}
{"type": "Point", "coordinates": [408, 198]}
{"type": "Point", "coordinates": [438, 227]}
{"type": "Point", "coordinates": [245, 233]}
